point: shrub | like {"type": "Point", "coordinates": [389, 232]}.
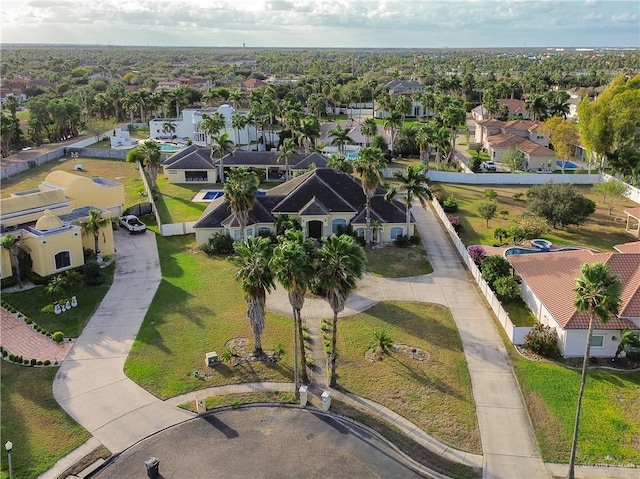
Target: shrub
{"type": "Point", "coordinates": [495, 267]}
{"type": "Point", "coordinates": [38, 280]}
{"type": "Point", "coordinates": [47, 362]}
{"type": "Point", "coordinates": [12, 357]}
{"type": "Point", "coordinates": [306, 336]}
{"type": "Point", "coordinates": [309, 361]}
{"type": "Point", "coordinates": [490, 194]}
{"type": "Point", "coordinates": [455, 222]}
{"type": "Point", "coordinates": [92, 274]}
{"type": "Point", "coordinates": [518, 196]}
{"type": "Point", "coordinates": [450, 205]}
{"type": "Point", "coordinates": [58, 336]}
{"type": "Point", "coordinates": [507, 287]}
{"type": "Point", "coordinates": [8, 282]}
{"type": "Point", "coordinates": [477, 254]}
{"type": "Point", "coordinates": [475, 163]}
{"type": "Point", "coordinates": [504, 214]}
{"type": "Point", "coordinates": [39, 363]}
{"type": "Point", "coordinates": [33, 362]}
{"type": "Point", "coordinates": [543, 340]}
{"type": "Point", "coordinates": [218, 244]}
{"type": "Point", "coordinates": [278, 351]}
{"type": "Point", "coordinates": [402, 241]}
{"type": "Point", "coordinates": [4, 353]}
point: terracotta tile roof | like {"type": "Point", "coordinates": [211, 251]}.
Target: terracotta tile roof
{"type": "Point", "coordinates": [632, 247]}
{"type": "Point", "coordinates": [552, 277]}
{"type": "Point", "coordinates": [520, 125]}
{"type": "Point", "coordinates": [514, 105]}
{"type": "Point", "coordinates": [503, 140]}
{"type": "Point", "coordinates": [635, 212]}
{"type": "Point", "coordinates": [533, 148]}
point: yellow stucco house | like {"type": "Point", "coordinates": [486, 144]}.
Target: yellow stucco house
{"type": "Point", "coordinates": [47, 221]}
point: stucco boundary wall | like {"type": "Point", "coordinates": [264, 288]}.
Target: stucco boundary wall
{"type": "Point", "coordinates": [149, 193]}
{"type": "Point", "coordinates": [176, 229]}
{"type": "Point", "coordinates": [632, 193]}
{"type": "Point", "coordinates": [120, 155]}
{"type": "Point", "coordinates": [511, 178]}
{"type": "Point", "coordinates": [516, 334]}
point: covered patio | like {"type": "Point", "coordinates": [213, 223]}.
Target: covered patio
{"type": "Point", "coordinates": [633, 221]}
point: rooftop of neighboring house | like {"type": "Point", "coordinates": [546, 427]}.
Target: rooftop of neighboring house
{"type": "Point", "coordinates": [632, 247]}
{"type": "Point", "coordinates": [552, 277]}
{"type": "Point", "coordinates": [403, 87]}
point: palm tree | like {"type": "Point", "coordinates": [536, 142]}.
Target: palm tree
{"type": "Point", "coordinates": [286, 150]}
{"type": "Point", "coordinates": [222, 145]}
{"type": "Point", "coordinates": [256, 277]}
{"type": "Point", "coordinates": [294, 267]}
{"type": "Point", "coordinates": [536, 105]}
{"type": "Point", "coordinates": [94, 225]}
{"type": "Point", "coordinates": [10, 242]}
{"type": "Point", "coordinates": [403, 106]}
{"type": "Point", "coordinates": [151, 158]}
{"type": "Point", "coordinates": [392, 122]}
{"type": "Point", "coordinates": [340, 137]}
{"type": "Point", "coordinates": [309, 132]}
{"type": "Point", "coordinates": [340, 264]}
{"type": "Point", "coordinates": [369, 128]}
{"type": "Point", "coordinates": [340, 163]}
{"type": "Point", "coordinates": [236, 97]}
{"type": "Point", "coordinates": [211, 125]}
{"type": "Point", "coordinates": [597, 293]}
{"type": "Point", "coordinates": [381, 344]}
{"type": "Point", "coordinates": [238, 122]}
{"type": "Point", "coordinates": [628, 342]}
{"type": "Point", "coordinates": [368, 167]}
{"type": "Point", "coordinates": [423, 140]}
{"type": "Point", "coordinates": [169, 127]}
{"type": "Point", "coordinates": [413, 185]}
{"type": "Point", "coordinates": [240, 191]}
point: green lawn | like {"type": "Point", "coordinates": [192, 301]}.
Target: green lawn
{"type": "Point", "coordinates": [601, 231]}
{"type": "Point", "coordinates": [35, 305]}
{"type": "Point", "coordinates": [40, 430]}
{"type": "Point", "coordinates": [197, 309]}
{"type": "Point", "coordinates": [126, 173]}
{"type": "Point", "coordinates": [394, 262]}
{"type": "Point", "coordinates": [610, 420]}
{"type": "Point", "coordinates": [434, 393]}
{"type": "Point", "coordinates": [519, 312]}
{"type": "Point", "coordinates": [174, 201]}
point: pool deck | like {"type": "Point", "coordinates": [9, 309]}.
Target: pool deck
{"type": "Point", "coordinates": [200, 196]}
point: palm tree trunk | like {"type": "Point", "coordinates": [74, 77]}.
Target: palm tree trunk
{"type": "Point", "coordinates": [303, 353]}
{"type": "Point", "coordinates": [334, 335]}
{"type": "Point", "coordinates": [408, 211]}
{"type": "Point", "coordinates": [583, 382]}
{"type": "Point", "coordinates": [368, 221]}
{"type": "Point", "coordinates": [296, 346]}
{"type": "Point", "coordinates": [255, 312]}
{"type": "Point", "coordinates": [96, 241]}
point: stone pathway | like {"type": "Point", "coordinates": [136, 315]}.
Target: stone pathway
{"type": "Point", "coordinates": [20, 339]}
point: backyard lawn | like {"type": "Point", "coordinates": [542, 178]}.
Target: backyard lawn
{"type": "Point", "coordinates": [433, 390]}
{"type": "Point", "coordinates": [601, 231]}
{"type": "Point", "coordinates": [610, 419]}
{"type": "Point", "coordinates": [174, 201]}
{"type": "Point", "coordinates": [126, 173]}
{"type": "Point", "coordinates": [394, 262]}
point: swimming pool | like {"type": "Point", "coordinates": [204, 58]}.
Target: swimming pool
{"type": "Point", "coordinates": [523, 250]}
{"type": "Point", "coordinates": [212, 195]}
{"type": "Point", "coordinates": [206, 196]}
{"type": "Point", "coordinates": [169, 148]}
{"type": "Point", "coordinates": [350, 155]}
{"type": "Point", "coordinates": [567, 165]}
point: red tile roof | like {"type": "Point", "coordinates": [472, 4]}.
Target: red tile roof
{"type": "Point", "coordinates": [635, 212]}
{"type": "Point", "coordinates": [632, 247]}
{"type": "Point", "coordinates": [552, 277]}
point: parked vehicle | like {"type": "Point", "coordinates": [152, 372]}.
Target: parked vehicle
{"type": "Point", "coordinates": [133, 224]}
{"type": "Point", "coordinates": [489, 165]}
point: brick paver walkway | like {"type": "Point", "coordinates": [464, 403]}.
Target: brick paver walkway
{"type": "Point", "coordinates": [21, 340]}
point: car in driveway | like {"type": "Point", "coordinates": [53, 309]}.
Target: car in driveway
{"type": "Point", "coordinates": [489, 166]}
{"type": "Point", "coordinates": [133, 224]}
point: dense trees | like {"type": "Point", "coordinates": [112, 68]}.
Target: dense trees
{"type": "Point", "coordinates": [560, 204]}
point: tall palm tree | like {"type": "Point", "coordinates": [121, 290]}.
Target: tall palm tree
{"type": "Point", "coordinates": [236, 97]}
{"type": "Point", "coordinates": [598, 294]}
{"type": "Point", "coordinates": [413, 185]}
{"type": "Point", "coordinates": [392, 122]}
{"type": "Point", "coordinates": [94, 225]}
{"type": "Point", "coordinates": [536, 105]}
{"type": "Point", "coordinates": [10, 242]}
{"type": "Point", "coordinates": [423, 140]}
{"type": "Point", "coordinates": [403, 106]}
{"type": "Point", "coordinates": [340, 137]}
{"type": "Point", "coordinates": [369, 128]}
{"type": "Point", "coordinates": [368, 167]}
{"type": "Point", "coordinates": [169, 127]}
{"type": "Point", "coordinates": [309, 132]}
{"type": "Point", "coordinates": [240, 191]}
{"type": "Point", "coordinates": [286, 150]}
{"type": "Point", "coordinates": [149, 156]}
{"type": "Point", "coordinates": [256, 278]}
{"type": "Point", "coordinates": [211, 125]}
{"type": "Point", "coordinates": [222, 145]}
{"type": "Point", "coordinates": [340, 264]}
{"type": "Point", "coordinates": [294, 266]}
{"type": "Point", "coordinates": [238, 122]}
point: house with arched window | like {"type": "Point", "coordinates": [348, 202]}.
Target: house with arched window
{"type": "Point", "coordinates": [324, 201]}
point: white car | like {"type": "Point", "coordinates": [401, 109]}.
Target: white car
{"type": "Point", "coordinates": [489, 165]}
{"type": "Point", "coordinates": [133, 224]}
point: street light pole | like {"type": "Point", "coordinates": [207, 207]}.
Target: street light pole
{"type": "Point", "coordinates": [9, 447]}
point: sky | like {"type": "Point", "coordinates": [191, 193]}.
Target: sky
{"type": "Point", "coordinates": [324, 23]}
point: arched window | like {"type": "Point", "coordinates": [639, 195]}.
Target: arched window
{"type": "Point", "coordinates": [337, 223]}
{"type": "Point", "coordinates": [63, 259]}
{"type": "Point", "coordinates": [396, 233]}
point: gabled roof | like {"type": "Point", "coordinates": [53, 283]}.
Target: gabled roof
{"type": "Point", "coordinates": [195, 154]}
{"type": "Point", "coordinates": [314, 207]}
{"type": "Point", "coordinates": [632, 247]}
{"type": "Point", "coordinates": [552, 277]}
{"type": "Point", "coordinates": [307, 160]}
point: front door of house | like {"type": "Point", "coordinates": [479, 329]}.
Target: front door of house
{"type": "Point", "coordinates": [315, 229]}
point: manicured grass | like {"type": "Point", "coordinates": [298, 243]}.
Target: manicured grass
{"type": "Point", "coordinates": [435, 393]}
{"type": "Point", "coordinates": [40, 430]}
{"type": "Point", "coordinates": [601, 231]}
{"type": "Point", "coordinates": [197, 309]}
{"type": "Point", "coordinates": [237, 400]}
{"type": "Point", "coordinates": [519, 312]}
{"type": "Point", "coordinates": [610, 419]}
{"type": "Point", "coordinates": [394, 262]}
{"type": "Point", "coordinates": [35, 305]}
{"type": "Point", "coordinates": [126, 173]}
{"type": "Point", "coordinates": [174, 201]}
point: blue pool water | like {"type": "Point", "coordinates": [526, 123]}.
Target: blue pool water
{"type": "Point", "coordinates": [169, 148]}
{"type": "Point", "coordinates": [212, 195]}
{"type": "Point", "coordinates": [520, 250]}
{"type": "Point", "coordinates": [567, 165]}
{"type": "Point", "coordinates": [350, 155]}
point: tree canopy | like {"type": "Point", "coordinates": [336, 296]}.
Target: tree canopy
{"type": "Point", "coordinates": [560, 204]}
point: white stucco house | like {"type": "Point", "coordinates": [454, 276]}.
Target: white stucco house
{"type": "Point", "coordinates": [548, 281]}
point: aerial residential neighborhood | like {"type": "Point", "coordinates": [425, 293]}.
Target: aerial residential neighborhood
{"type": "Point", "coordinates": [317, 251]}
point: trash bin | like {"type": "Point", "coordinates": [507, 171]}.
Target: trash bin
{"type": "Point", "coordinates": [303, 394]}
{"type": "Point", "coordinates": [152, 464]}
{"type": "Point", "coordinates": [326, 400]}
